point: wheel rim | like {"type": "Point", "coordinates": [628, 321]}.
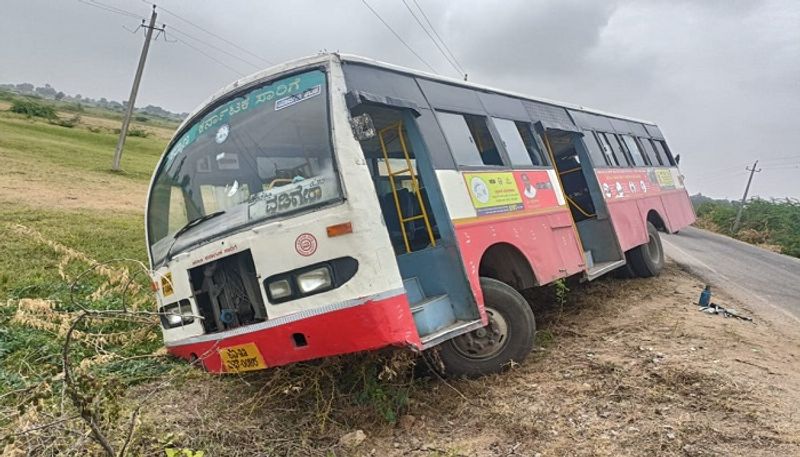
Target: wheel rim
{"type": "Point", "coordinates": [654, 249]}
{"type": "Point", "coordinates": [485, 342]}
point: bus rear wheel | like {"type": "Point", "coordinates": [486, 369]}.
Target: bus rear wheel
{"type": "Point", "coordinates": [508, 337]}
{"type": "Point", "coordinates": [647, 260]}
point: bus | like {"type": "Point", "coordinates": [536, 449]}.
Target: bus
{"type": "Point", "coordinates": [336, 204]}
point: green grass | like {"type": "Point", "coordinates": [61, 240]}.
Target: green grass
{"type": "Point", "coordinates": [29, 268]}
{"type": "Point", "coordinates": [46, 145]}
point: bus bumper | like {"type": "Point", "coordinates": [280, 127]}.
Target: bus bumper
{"type": "Point", "coordinates": [373, 324]}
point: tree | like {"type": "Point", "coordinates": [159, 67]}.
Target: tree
{"type": "Point", "coordinates": [60, 95]}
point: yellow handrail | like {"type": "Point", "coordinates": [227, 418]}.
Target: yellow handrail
{"type": "Point", "coordinates": [414, 183]}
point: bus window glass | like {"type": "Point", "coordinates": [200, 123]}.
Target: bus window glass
{"type": "Point", "coordinates": [469, 139]}
{"type": "Point", "coordinates": [533, 144]}
{"type": "Point", "coordinates": [512, 139]}
{"type": "Point", "coordinates": [619, 154]}
{"type": "Point", "coordinates": [659, 145]}
{"type": "Point", "coordinates": [647, 147]}
{"type": "Point", "coordinates": [595, 151]}
{"type": "Point", "coordinates": [607, 150]}
{"type": "Point", "coordinates": [633, 149]}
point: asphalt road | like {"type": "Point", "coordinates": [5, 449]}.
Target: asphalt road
{"type": "Point", "coordinates": [758, 278]}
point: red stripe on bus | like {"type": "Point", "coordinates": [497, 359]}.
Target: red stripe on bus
{"type": "Point", "coordinates": [373, 325]}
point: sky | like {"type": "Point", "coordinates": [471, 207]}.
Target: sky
{"type": "Point", "coordinates": [720, 77]}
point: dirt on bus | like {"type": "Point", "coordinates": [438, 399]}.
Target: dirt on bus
{"type": "Point", "coordinates": [624, 367]}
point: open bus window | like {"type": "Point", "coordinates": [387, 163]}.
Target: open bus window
{"type": "Point", "coordinates": [469, 139]}
{"type": "Point", "coordinates": [655, 159]}
{"type": "Point", "coordinates": [519, 142]}
{"type": "Point", "coordinates": [635, 152]}
{"type": "Point", "coordinates": [611, 157]}
{"type": "Point", "coordinates": [595, 151]}
{"type": "Point", "coordinates": [663, 151]}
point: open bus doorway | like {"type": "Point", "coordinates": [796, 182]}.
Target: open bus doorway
{"type": "Point", "coordinates": [418, 225]}
{"type": "Point", "coordinates": [585, 200]}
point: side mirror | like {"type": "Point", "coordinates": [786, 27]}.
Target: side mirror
{"type": "Point", "coordinates": [678, 159]}
{"type": "Point", "coordinates": [363, 127]}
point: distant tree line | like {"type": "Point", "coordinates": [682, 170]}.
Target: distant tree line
{"type": "Point", "coordinates": [50, 93]}
{"type": "Point", "coordinates": [773, 224]}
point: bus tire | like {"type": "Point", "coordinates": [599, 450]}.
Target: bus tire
{"type": "Point", "coordinates": [647, 260]}
{"type": "Point", "coordinates": [507, 339]}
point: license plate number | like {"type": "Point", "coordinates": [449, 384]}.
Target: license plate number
{"type": "Point", "coordinates": [242, 357]}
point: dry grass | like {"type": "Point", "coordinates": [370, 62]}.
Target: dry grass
{"type": "Point", "coordinates": [627, 368]}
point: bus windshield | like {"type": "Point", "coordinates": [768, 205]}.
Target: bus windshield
{"type": "Point", "coordinates": [263, 153]}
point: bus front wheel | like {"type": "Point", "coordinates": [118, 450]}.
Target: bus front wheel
{"type": "Point", "coordinates": [647, 260]}
{"type": "Point", "coordinates": [508, 337]}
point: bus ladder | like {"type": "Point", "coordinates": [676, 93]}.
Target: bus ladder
{"type": "Point", "coordinates": [398, 127]}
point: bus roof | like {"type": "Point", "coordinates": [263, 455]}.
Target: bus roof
{"type": "Point", "coordinates": [325, 57]}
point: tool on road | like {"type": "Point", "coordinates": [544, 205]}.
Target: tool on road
{"type": "Point", "coordinates": [714, 308]}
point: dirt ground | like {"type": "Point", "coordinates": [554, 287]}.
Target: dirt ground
{"type": "Point", "coordinates": [627, 367]}
{"type": "Point", "coordinates": [65, 188]}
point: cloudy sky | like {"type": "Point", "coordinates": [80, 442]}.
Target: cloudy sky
{"type": "Point", "coordinates": [721, 77]}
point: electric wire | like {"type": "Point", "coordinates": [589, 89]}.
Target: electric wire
{"type": "Point", "coordinates": [396, 35]}
{"type": "Point", "coordinates": [189, 45]}
{"type": "Point", "coordinates": [110, 8]}
{"type": "Point", "coordinates": [419, 22]}
{"type": "Point", "coordinates": [215, 35]}
{"type": "Point", "coordinates": [425, 16]}
{"type": "Point", "coordinates": [212, 46]}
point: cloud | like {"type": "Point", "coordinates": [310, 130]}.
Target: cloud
{"type": "Point", "coordinates": [719, 76]}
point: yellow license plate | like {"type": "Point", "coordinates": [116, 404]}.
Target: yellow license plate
{"type": "Point", "coordinates": [243, 357]}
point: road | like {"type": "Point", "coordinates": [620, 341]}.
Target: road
{"type": "Point", "coordinates": [758, 278]}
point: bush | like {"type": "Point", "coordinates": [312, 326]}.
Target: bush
{"type": "Point", "coordinates": [31, 108]}
{"type": "Point", "coordinates": [766, 222]}
{"type": "Point", "coordinates": [141, 133]}
{"type": "Point", "coordinates": [68, 123]}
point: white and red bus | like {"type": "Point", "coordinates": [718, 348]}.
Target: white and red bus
{"type": "Point", "coordinates": [336, 204]}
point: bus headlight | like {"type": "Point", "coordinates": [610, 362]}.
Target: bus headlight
{"type": "Point", "coordinates": [280, 289]}
{"type": "Point", "coordinates": [176, 314]}
{"type": "Point", "coordinates": [314, 280]}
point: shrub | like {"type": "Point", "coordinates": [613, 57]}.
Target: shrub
{"type": "Point", "coordinates": [31, 108]}
{"type": "Point", "coordinates": [68, 123]}
{"type": "Point", "coordinates": [141, 133]}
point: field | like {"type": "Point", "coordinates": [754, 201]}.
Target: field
{"type": "Point", "coordinates": [622, 367]}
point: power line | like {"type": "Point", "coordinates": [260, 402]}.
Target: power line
{"type": "Point", "coordinates": [211, 45]}
{"type": "Point", "coordinates": [110, 8]}
{"type": "Point", "coordinates": [210, 56]}
{"type": "Point", "coordinates": [425, 16]}
{"type": "Point", "coordinates": [414, 15]}
{"type": "Point", "coordinates": [398, 36]}
{"type": "Point", "coordinates": [203, 29]}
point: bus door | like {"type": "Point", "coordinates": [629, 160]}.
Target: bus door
{"type": "Point", "coordinates": [585, 200]}
{"type": "Point", "coordinates": [418, 225]}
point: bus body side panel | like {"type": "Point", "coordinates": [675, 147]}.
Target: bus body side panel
{"type": "Point", "coordinates": [630, 195]}
{"type": "Point", "coordinates": [628, 223]}
{"type": "Point", "coordinates": [544, 236]}
{"type": "Point", "coordinates": [679, 210]}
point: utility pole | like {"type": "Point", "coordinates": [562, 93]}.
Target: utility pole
{"type": "Point", "coordinates": [123, 132]}
{"type": "Point", "coordinates": [744, 197]}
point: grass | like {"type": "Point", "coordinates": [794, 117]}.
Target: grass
{"type": "Point", "coordinates": [36, 144]}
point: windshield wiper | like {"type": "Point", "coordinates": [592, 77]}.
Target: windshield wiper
{"type": "Point", "coordinates": [189, 225]}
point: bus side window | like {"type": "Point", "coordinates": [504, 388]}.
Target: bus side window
{"type": "Point", "coordinates": [469, 139]}
{"type": "Point", "coordinates": [595, 150]}
{"type": "Point", "coordinates": [647, 147]}
{"type": "Point", "coordinates": [634, 151]}
{"type": "Point", "coordinates": [519, 142]}
{"type": "Point", "coordinates": [612, 155]}
{"type": "Point", "coordinates": [663, 151]}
